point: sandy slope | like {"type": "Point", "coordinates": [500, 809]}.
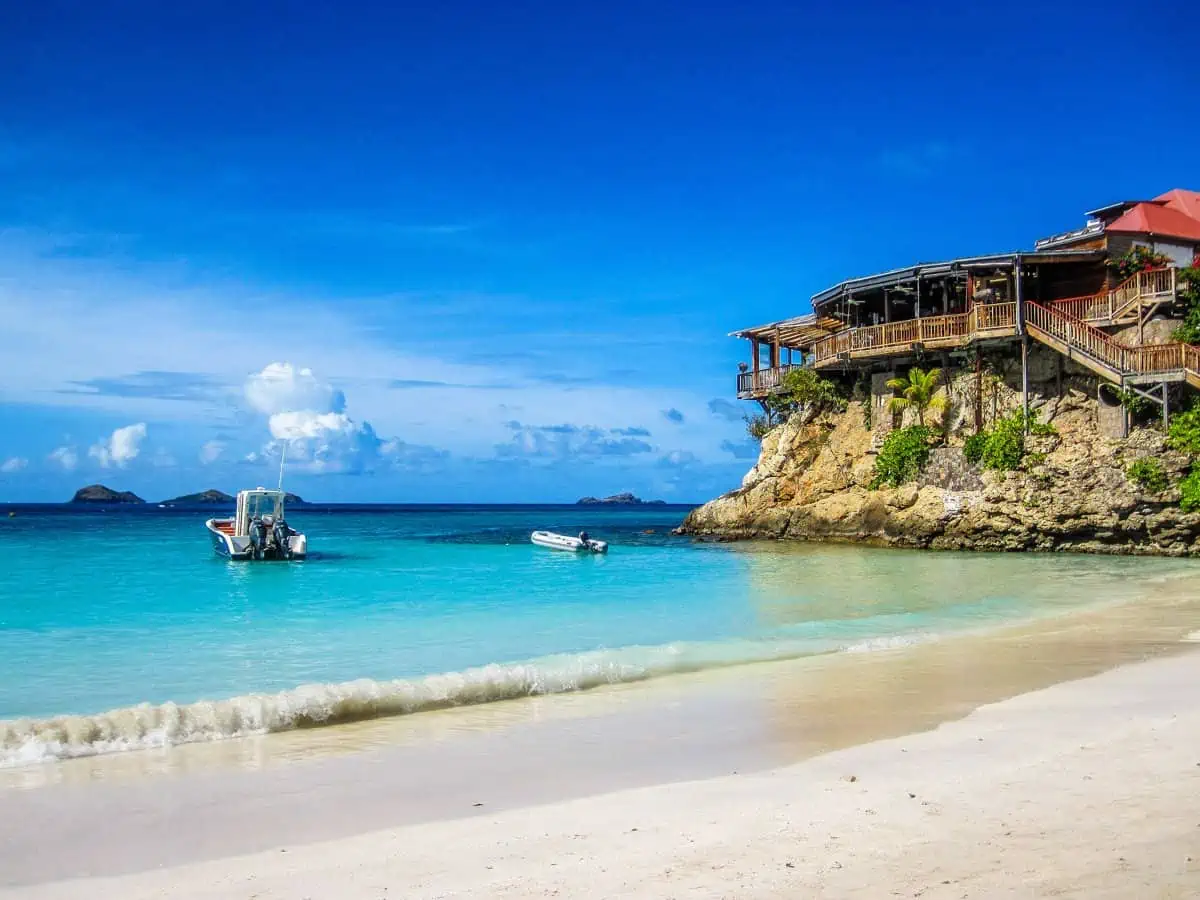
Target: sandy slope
{"type": "Point", "coordinates": [1088, 789]}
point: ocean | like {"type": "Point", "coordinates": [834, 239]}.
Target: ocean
{"type": "Point", "coordinates": [121, 629]}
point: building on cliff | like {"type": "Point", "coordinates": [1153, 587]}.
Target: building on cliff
{"type": "Point", "coordinates": [1061, 294]}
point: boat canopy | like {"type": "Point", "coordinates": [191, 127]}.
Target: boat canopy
{"type": "Point", "coordinates": [256, 504]}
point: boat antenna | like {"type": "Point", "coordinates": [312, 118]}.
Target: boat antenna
{"type": "Point", "coordinates": [282, 459]}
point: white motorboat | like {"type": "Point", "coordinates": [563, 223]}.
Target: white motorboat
{"type": "Point", "coordinates": [258, 530]}
{"type": "Point", "coordinates": [568, 543]}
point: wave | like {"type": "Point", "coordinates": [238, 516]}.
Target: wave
{"type": "Point", "coordinates": [145, 726]}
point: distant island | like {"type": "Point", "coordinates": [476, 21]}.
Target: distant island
{"type": "Point", "coordinates": [98, 493]}
{"type": "Point", "coordinates": [211, 497]}
{"type": "Point", "coordinates": [622, 499]}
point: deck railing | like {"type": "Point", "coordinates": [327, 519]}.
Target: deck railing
{"type": "Point", "coordinates": [764, 381]}
{"type": "Point", "coordinates": [1153, 285]}
{"type": "Point", "coordinates": [932, 331]}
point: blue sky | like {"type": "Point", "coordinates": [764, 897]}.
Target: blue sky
{"type": "Point", "coordinates": [490, 252]}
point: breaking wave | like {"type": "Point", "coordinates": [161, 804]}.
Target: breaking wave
{"type": "Point", "coordinates": [145, 726]}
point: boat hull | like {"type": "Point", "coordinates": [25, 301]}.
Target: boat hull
{"type": "Point", "coordinates": [238, 548]}
{"type": "Point", "coordinates": [566, 543]}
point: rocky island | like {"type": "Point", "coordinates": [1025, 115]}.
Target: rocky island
{"type": "Point", "coordinates": [623, 499]}
{"type": "Point", "coordinates": [211, 497]}
{"type": "Point", "coordinates": [1079, 480]}
{"type": "Point", "coordinates": [98, 493]}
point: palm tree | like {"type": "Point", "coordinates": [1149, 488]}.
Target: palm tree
{"type": "Point", "coordinates": [918, 391]}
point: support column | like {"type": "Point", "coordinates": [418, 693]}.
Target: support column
{"type": "Point", "coordinates": [775, 350]}
{"type": "Point", "coordinates": [1018, 295]}
{"type": "Point", "coordinates": [917, 302]}
{"type": "Point", "coordinates": [1059, 373]}
{"type": "Point", "coordinates": [1025, 377]}
{"type": "Point", "coordinates": [887, 307]}
{"type": "Point", "coordinates": [1166, 406]}
{"type": "Point", "coordinates": [754, 361]}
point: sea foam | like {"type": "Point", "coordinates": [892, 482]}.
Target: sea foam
{"type": "Point", "coordinates": [145, 726]}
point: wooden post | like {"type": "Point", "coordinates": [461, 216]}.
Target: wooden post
{"type": "Point", "coordinates": [1025, 378]}
{"type": "Point", "coordinates": [775, 350]}
{"type": "Point", "coordinates": [1059, 374]}
{"type": "Point", "coordinates": [1166, 406]}
{"type": "Point", "coordinates": [1018, 295]}
{"type": "Point", "coordinates": [945, 298]}
{"type": "Point", "coordinates": [887, 307]}
{"type": "Point", "coordinates": [917, 302]}
{"type": "Point", "coordinates": [754, 353]}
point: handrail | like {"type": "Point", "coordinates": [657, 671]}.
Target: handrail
{"type": "Point", "coordinates": [1110, 304]}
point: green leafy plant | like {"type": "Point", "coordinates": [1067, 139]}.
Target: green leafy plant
{"type": "Point", "coordinates": [918, 391]}
{"type": "Point", "coordinates": [902, 456]}
{"type": "Point", "coordinates": [1187, 285]}
{"type": "Point", "coordinates": [1005, 445]}
{"type": "Point", "coordinates": [1189, 490]}
{"type": "Point", "coordinates": [1135, 404]}
{"type": "Point", "coordinates": [1184, 431]}
{"type": "Point", "coordinates": [1147, 473]}
{"type": "Point", "coordinates": [802, 389]}
{"type": "Point", "coordinates": [973, 447]}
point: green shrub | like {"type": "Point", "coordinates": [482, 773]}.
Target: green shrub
{"type": "Point", "coordinates": [1147, 473]}
{"type": "Point", "coordinates": [902, 456]}
{"type": "Point", "coordinates": [1005, 445]}
{"type": "Point", "coordinates": [1189, 490]}
{"type": "Point", "coordinates": [973, 447]}
{"type": "Point", "coordinates": [1184, 433]}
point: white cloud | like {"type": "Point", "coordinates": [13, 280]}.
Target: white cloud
{"type": "Point", "coordinates": [13, 464]}
{"type": "Point", "coordinates": [307, 416]}
{"type": "Point", "coordinates": [211, 451]}
{"type": "Point", "coordinates": [122, 446]}
{"type": "Point", "coordinates": [65, 457]}
{"type": "Point", "coordinates": [281, 387]}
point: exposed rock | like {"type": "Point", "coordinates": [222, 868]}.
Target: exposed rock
{"type": "Point", "coordinates": [812, 482]}
{"type": "Point", "coordinates": [98, 493]}
{"type": "Point", "coordinates": [623, 499]}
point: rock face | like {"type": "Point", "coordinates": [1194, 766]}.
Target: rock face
{"type": "Point", "coordinates": [98, 493]}
{"type": "Point", "coordinates": [622, 499]}
{"type": "Point", "coordinates": [204, 498]}
{"type": "Point", "coordinates": [812, 481]}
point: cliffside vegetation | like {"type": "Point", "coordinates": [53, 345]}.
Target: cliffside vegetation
{"type": "Point", "coordinates": [1184, 436]}
{"type": "Point", "coordinates": [802, 391]}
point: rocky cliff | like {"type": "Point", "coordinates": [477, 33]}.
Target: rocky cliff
{"type": "Point", "coordinates": [812, 479]}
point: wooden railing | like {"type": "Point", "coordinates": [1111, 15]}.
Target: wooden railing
{"type": "Point", "coordinates": [764, 381]}
{"type": "Point", "coordinates": [1148, 359]}
{"type": "Point", "coordinates": [932, 331]}
{"type": "Point", "coordinates": [990, 316]}
{"type": "Point", "coordinates": [1153, 285]}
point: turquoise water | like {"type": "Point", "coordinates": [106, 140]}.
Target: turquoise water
{"type": "Point", "coordinates": [107, 615]}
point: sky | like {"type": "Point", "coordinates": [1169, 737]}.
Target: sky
{"type": "Point", "coordinates": [485, 252]}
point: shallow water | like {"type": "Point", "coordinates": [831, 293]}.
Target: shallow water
{"type": "Point", "coordinates": [403, 609]}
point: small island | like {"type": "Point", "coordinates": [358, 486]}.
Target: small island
{"type": "Point", "coordinates": [623, 499]}
{"type": "Point", "coordinates": [211, 497]}
{"type": "Point", "coordinates": [98, 493]}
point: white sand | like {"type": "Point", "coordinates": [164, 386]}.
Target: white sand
{"type": "Point", "coordinates": [1087, 789]}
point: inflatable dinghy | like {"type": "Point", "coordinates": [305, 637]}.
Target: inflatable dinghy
{"type": "Point", "coordinates": [565, 542]}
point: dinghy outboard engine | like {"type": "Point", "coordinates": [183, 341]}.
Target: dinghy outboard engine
{"type": "Point", "coordinates": [281, 533]}
{"type": "Point", "coordinates": [258, 538]}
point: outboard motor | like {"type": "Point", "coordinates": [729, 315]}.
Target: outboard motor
{"type": "Point", "coordinates": [258, 538]}
{"type": "Point", "coordinates": [281, 533]}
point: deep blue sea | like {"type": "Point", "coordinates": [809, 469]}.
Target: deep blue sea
{"type": "Point", "coordinates": [120, 628]}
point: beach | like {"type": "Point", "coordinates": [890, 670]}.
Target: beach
{"type": "Point", "coordinates": [1087, 789]}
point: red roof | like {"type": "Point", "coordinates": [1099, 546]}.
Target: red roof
{"type": "Point", "coordinates": [1187, 202]}
{"type": "Point", "coordinates": [1173, 214]}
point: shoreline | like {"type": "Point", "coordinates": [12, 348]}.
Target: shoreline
{"type": "Point", "coordinates": [1082, 788]}
{"type": "Point", "coordinates": [192, 809]}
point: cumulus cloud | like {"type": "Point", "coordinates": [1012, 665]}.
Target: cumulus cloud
{"type": "Point", "coordinates": [308, 417]}
{"type": "Point", "coordinates": [210, 452]}
{"type": "Point", "coordinates": [65, 457]}
{"type": "Point", "coordinates": [725, 409]}
{"type": "Point", "coordinates": [673, 415]}
{"type": "Point", "coordinates": [13, 464]}
{"type": "Point", "coordinates": [572, 441]}
{"type": "Point", "coordinates": [121, 447]}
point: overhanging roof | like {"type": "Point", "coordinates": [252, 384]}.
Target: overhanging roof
{"type": "Point", "coordinates": [935, 269]}
{"type": "Point", "coordinates": [799, 331]}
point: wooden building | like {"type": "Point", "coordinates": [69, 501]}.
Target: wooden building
{"type": "Point", "coordinates": [1060, 294]}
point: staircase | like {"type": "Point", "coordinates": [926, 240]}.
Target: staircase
{"type": "Point", "coordinates": [1083, 342]}
{"type": "Point", "coordinates": [1134, 299]}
